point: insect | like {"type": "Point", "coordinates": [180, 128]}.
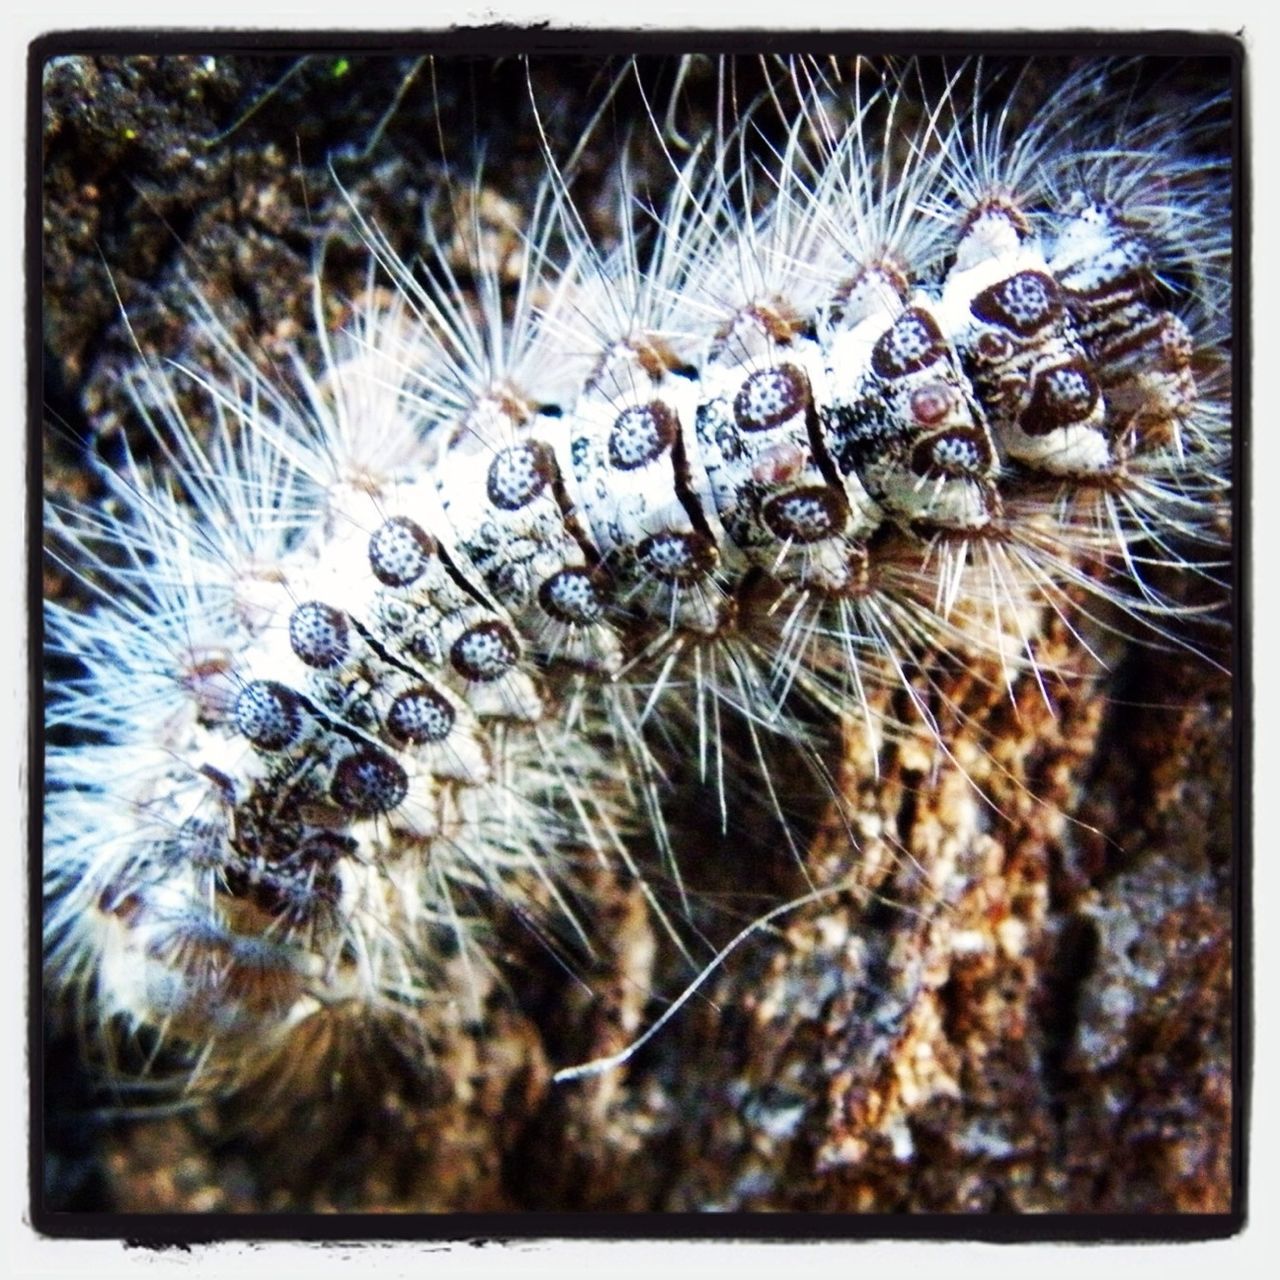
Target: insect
{"type": "Point", "coordinates": [879, 413]}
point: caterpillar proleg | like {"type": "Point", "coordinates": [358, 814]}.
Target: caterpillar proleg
{"type": "Point", "coordinates": [759, 526]}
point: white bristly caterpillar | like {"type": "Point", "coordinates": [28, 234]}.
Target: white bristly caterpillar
{"type": "Point", "coordinates": [889, 368]}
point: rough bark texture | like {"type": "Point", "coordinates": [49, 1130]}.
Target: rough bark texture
{"type": "Point", "coordinates": [1022, 1002]}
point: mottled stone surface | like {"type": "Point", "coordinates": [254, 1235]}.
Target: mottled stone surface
{"type": "Point", "coordinates": [1022, 1002]}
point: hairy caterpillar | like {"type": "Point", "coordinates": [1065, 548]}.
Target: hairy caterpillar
{"type": "Point", "coordinates": [407, 641]}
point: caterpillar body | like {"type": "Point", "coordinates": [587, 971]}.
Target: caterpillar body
{"type": "Point", "coordinates": [381, 652]}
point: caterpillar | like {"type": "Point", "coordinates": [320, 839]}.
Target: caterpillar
{"type": "Point", "coordinates": [820, 444]}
